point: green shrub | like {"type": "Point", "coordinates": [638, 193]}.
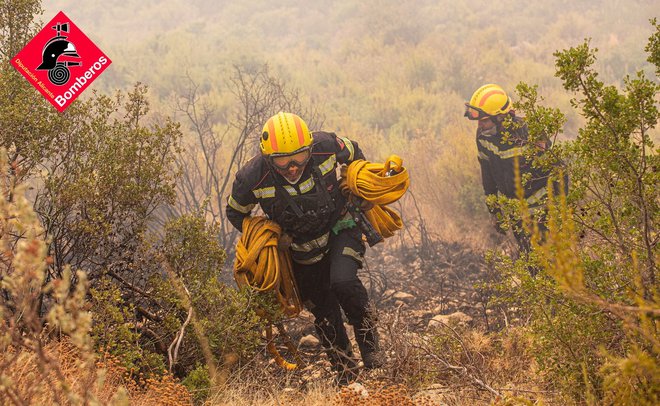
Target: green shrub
{"type": "Point", "coordinates": [224, 322]}
{"type": "Point", "coordinates": [114, 331]}
{"type": "Point", "coordinates": [198, 383]}
{"type": "Point", "coordinates": [593, 307]}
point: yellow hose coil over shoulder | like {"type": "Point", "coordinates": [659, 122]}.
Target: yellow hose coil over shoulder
{"type": "Point", "coordinates": [380, 184]}
{"type": "Point", "coordinates": [261, 266]}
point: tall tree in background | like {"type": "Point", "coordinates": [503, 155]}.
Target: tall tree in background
{"type": "Point", "coordinates": [215, 151]}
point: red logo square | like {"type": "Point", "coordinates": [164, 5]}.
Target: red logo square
{"type": "Point", "coordinates": [61, 61]}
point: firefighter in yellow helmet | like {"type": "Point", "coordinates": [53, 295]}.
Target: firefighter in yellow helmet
{"type": "Point", "coordinates": [294, 181]}
{"type": "Point", "coordinates": [499, 144]}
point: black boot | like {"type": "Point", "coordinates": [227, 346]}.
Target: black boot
{"type": "Point", "coordinates": [344, 364]}
{"type": "Point", "coordinates": [335, 341]}
{"type": "Point", "coordinates": [366, 337]}
{"type": "Point", "coordinates": [353, 298]}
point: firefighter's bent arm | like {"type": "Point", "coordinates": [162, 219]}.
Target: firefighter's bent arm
{"type": "Point", "coordinates": [347, 151]}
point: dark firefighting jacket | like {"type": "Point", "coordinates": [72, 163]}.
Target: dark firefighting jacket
{"type": "Point", "coordinates": [498, 147]}
{"type": "Point", "coordinates": [308, 210]}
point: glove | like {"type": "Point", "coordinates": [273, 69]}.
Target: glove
{"type": "Point", "coordinates": [342, 177]}
{"type": "Point", "coordinates": [342, 171]}
{"type": "Point", "coordinates": [284, 242]}
{"type": "Point", "coordinates": [360, 203]}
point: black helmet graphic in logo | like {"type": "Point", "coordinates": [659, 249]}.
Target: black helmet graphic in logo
{"type": "Point", "coordinates": [55, 48]}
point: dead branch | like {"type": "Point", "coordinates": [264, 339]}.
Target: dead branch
{"type": "Point", "coordinates": [176, 343]}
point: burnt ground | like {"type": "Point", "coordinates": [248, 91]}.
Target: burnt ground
{"type": "Point", "coordinates": [408, 287]}
{"type": "Point", "coordinates": [440, 283]}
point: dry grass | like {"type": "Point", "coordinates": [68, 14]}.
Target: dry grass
{"type": "Point", "coordinates": [107, 382]}
{"type": "Point", "coordinates": [33, 382]}
{"type": "Point", "coordinates": [244, 395]}
{"type": "Point", "coordinates": [396, 395]}
{"type": "Point", "coordinates": [325, 394]}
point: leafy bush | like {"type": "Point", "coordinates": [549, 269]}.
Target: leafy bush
{"type": "Point", "coordinates": [594, 306]}
{"type": "Point", "coordinates": [115, 333]}
{"type": "Point", "coordinates": [225, 325]}
{"type": "Point", "coordinates": [198, 383]}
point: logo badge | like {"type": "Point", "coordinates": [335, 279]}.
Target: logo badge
{"type": "Point", "coordinates": [61, 61]}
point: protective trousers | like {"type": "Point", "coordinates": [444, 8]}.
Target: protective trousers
{"type": "Point", "coordinates": [331, 285]}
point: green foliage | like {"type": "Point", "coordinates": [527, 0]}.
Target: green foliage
{"type": "Point", "coordinates": [614, 183]}
{"type": "Point", "coordinates": [191, 248]}
{"type": "Point", "coordinates": [115, 332]}
{"type": "Point", "coordinates": [30, 124]}
{"type": "Point", "coordinates": [544, 125]}
{"type": "Point", "coordinates": [17, 25]}
{"type": "Point", "coordinates": [184, 315]}
{"type": "Point", "coordinates": [225, 321]}
{"type": "Point", "coordinates": [567, 335]}
{"type": "Point", "coordinates": [653, 47]}
{"type": "Point", "coordinates": [632, 380]}
{"type": "Point", "coordinates": [198, 383]}
{"type": "Point", "coordinates": [593, 307]}
{"type": "Point", "coordinates": [105, 179]}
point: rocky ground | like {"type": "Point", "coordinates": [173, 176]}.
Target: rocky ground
{"type": "Point", "coordinates": [412, 294]}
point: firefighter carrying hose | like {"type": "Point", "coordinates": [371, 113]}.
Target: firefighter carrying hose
{"type": "Point", "coordinates": [294, 181]}
{"type": "Point", "coordinates": [501, 137]}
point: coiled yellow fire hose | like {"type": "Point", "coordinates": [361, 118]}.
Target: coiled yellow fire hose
{"type": "Point", "coordinates": [380, 184]}
{"type": "Point", "coordinates": [261, 266]}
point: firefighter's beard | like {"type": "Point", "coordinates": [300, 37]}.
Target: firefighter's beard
{"type": "Point", "coordinates": [487, 127]}
{"type": "Point", "coordinates": [292, 175]}
{"type": "Point", "coordinates": [486, 124]}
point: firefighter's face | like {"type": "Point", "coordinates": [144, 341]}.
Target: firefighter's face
{"type": "Point", "coordinates": [292, 166]}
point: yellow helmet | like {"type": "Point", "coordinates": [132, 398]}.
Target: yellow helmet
{"type": "Point", "coordinates": [285, 134]}
{"type": "Point", "coordinates": [488, 100]}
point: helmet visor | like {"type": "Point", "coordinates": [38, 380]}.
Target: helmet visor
{"type": "Point", "coordinates": [474, 113]}
{"type": "Point", "coordinates": [284, 162]}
